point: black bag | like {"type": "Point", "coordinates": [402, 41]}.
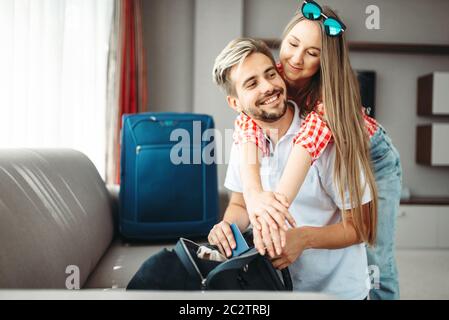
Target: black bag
{"type": "Point", "coordinates": [181, 269]}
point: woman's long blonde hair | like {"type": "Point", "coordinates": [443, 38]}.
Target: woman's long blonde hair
{"type": "Point", "coordinates": [337, 86]}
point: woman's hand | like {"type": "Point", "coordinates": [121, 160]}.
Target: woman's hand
{"type": "Point", "coordinates": [268, 212]}
{"type": "Point", "coordinates": [294, 247]}
{"type": "Point", "coordinates": [270, 207]}
{"type": "Point", "coordinates": [268, 239]}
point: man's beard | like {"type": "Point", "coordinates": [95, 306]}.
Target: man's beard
{"type": "Point", "coordinates": [259, 114]}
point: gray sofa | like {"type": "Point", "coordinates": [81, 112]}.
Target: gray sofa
{"type": "Point", "coordinates": [56, 212]}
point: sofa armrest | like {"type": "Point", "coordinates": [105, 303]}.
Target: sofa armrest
{"type": "Point", "coordinates": [114, 191]}
{"type": "Point", "coordinates": [55, 213]}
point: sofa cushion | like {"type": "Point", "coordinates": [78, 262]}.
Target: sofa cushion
{"type": "Point", "coordinates": [121, 262]}
{"type": "Point", "coordinates": [55, 212]}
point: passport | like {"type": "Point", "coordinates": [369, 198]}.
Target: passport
{"type": "Point", "coordinates": [241, 245]}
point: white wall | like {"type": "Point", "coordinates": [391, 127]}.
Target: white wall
{"type": "Point", "coordinates": [216, 23]}
{"type": "Point", "coordinates": [406, 21]}
{"type": "Point", "coordinates": [186, 36]}
{"type": "Point", "coordinates": [169, 38]}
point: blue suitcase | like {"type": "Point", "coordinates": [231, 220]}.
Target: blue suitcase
{"type": "Point", "coordinates": [168, 176]}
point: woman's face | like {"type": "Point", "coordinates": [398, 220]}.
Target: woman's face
{"type": "Point", "coordinates": [300, 53]}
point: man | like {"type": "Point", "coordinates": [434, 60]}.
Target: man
{"type": "Point", "coordinates": [246, 70]}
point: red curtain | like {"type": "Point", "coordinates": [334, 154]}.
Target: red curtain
{"type": "Point", "coordinates": [133, 81]}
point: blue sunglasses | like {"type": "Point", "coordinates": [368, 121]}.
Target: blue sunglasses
{"type": "Point", "coordinates": [312, 11]}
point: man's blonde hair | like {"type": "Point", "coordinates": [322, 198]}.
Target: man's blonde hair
{"type": "Point", "coordinates": [234, 53]}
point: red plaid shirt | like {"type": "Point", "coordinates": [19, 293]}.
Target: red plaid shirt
{"type": "Point", "coordinates": [314, 134]}
{"type": "Point", "coordinates": [247, 130]}
{"type": "Point", "coordinates": [370, 124]}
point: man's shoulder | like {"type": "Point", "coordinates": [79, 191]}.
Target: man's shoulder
{"type": "Point", "coordinates": [233, 181]}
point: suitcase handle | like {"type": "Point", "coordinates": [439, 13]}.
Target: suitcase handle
{"type": "Point", "coordinates": [169, 121]}
{"type": "Point", "coordinates": [164, 123]}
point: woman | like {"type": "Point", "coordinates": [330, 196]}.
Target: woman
{"type": "Point", "coordinates": [315, 65]}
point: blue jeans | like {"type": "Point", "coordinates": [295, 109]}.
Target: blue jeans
{"type": "Point", "coordinates": [381, 258]}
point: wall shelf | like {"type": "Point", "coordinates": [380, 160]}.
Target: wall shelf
{"type": "Point", "coordinates": [431, 145]}
{"type": "Point", "coordinates": [433, 94]}
{"type": "Point", "coordinates": [383, 47]}
{"type": "Point", "coordinates": [434, 201]}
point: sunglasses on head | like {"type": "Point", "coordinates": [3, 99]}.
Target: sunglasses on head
{"type": "Point", "coordinates": [312, 11]}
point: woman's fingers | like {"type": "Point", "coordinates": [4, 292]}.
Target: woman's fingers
{"type": "Point", "coordinates": [290, 219]}
{"type": "Point", "coordinates": [266, 237]}
{"type": "Point", "coordinates": [276, 205]}
{"type": "Point", "coordinates": [267, 216]}
{"type": "Point", "coordinates": [276, 239]}
{"type": "Point", "coordinates": [275, 211]}
{"type": "Point", "coordinates": [253, 219]}
{"type": "Point", "coordinates": [283, 235]}
{"type": "Point", "coordinates": [273, 237]}
{"type": "Point", "coordinates": [258, 242]}
{"type": "Point", "coordinates": [283, 199]}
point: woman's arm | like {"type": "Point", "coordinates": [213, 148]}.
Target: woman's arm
{"type": "Point", "coordinates": [250, 168]}
{"type": "Point", "coordinates": [298, 164]}
{"type": "Point", "coordinates": [272, 208]}
{"type": "Point", "coordinates": [335, 236]}
{"type": "Point", "coordinates": [261, 204]}
{"type": "Point", "coordinates": [308, 144]}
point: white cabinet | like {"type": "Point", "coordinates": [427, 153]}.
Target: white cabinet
{"type": "Point", "coordinates": [433, 94]}
{"type": "Point", "coordinates": [423, 227]}
{"type": "Point", "coordinates": [431, 139]}
{"type": "Point", "coordinates": [432, 147]}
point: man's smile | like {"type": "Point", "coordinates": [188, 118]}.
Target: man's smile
{"type": "Point", "coordinates": [272, 99]}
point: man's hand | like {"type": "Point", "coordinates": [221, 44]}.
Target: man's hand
{"type": "Point", "coordinates": [221, 235]}
{"type": "Point", "coordinates": [295, 245]}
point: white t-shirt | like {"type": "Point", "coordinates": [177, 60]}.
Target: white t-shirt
{"type": "Point", "coordinates": [342, 273]}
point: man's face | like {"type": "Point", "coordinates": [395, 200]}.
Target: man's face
{"type": "Point", "coordinates": [260, 90]}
